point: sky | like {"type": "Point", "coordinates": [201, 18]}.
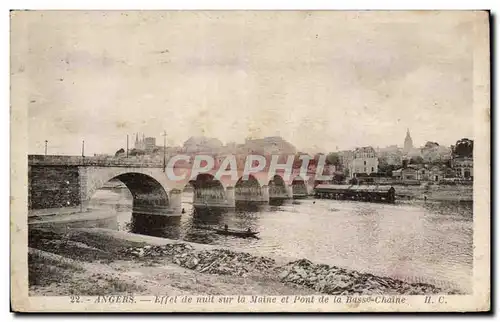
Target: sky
{"type": "Point", "coordinates": [321, 80]}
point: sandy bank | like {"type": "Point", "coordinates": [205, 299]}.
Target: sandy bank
{"type": "Point", "coordinates": [100, 261]}
{"type": "Point", "coordinates": [92, 262]}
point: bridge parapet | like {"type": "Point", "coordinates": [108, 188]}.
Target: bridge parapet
{"type": "Point", "coordinates": [138, 162]}
{"type": "Point", "coordinates": [70, 160]}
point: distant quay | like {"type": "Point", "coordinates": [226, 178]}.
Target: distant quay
{"type": "Point", "coordinates": [436, 192]}
{"type": "Point", "coordinates": [380, 193]}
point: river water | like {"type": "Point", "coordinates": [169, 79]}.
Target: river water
{"type": "Point", "coordinates": [419, 242]}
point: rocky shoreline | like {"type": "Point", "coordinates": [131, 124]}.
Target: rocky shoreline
{"type": "Point", "coordinates": [217, 261]}
{"type": "Point", "coordinates": [318, 277]}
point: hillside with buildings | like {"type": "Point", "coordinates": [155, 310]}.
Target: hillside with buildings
{"type": "Point", "coordinates": [392, 164]}
{"type": "Point", "coordinates": [146, 147]}
{"type": "Point", "coordinates": [408, 164]}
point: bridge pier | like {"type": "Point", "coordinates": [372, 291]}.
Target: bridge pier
{"type": "Point", "coordinates": [252, 194]}
{"type": "Point", "coordinates": [289, 191]}
{"type": "Point", "coordinates": [175, 202]}
{"type": "Point", "coordinates": [230, 197]}
{"type": "Point", "coordinates": [265, 193]}
{"type": "Point", "coordinates": [300, 189]}
{"type": "Point", "coordinates": [214, 197]}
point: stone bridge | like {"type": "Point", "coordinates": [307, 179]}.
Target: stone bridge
{"type": "Point", "coordinates": [59, 184]}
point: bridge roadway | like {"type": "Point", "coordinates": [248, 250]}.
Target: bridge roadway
{"type": "Point", "coordinates": [60, 184]}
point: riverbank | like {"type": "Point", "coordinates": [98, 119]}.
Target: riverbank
{"type": "Point", "coordinates": [101, 261]}
{"type": "Point", "coordinates": [436, 192]}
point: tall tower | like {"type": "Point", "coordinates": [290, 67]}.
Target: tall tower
{"type": "Point", "coordinates": [408, 142]}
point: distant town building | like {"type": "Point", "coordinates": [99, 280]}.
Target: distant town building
{"type": "Point", "coordinates": [423, 173]}
{"type": "Point", "coordinates": [463, 167]}
{"type": "Point", "coordinates": [365, 161]}
{"type": "Point", "coordinates": [409, 175]}
{"type": "Point", "coordinates": [462, 161]}
{"type": "Point", "coordinates": [147, 144]}
{"type": "Point", "coordinates": [269, 145]}
{"type": "Point", "coordinates": [436, 173]}
{"type": "Point", "coordinates": [345, 161]}
{"type": "Point", "coordinates": [201, 144]}
{"type": "Point", "coordinates": [408, 145]}
{"type": "Point", "coordinates": [104, 155]}
{"type": "Point", "coordinates": [416, 173]}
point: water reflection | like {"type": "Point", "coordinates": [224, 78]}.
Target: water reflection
{"type": "Point", "coordinates": [197, 225]}
{"type": "Point", "coordinates": [276, 202]}
{"type": "Point", "coordinates": [155, 225]}
{"type": "Point", "coordinates": [248, 206]}
{"type": "Point", "coordinates": [208, 216]}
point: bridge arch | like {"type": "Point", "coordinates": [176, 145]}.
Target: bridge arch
{"type": "Point", "coordinates": [248, 189]}
{"type": "Point", "coordinates": [149, 196]}
{"type": "Point", "coordinates": [299, 187]}
{"type": "Point", "coordinates": [277, 188]}
{"type": "Point", "coordinates": [208, 190]}
{"type": "Point", "coordinates": [149, 187]}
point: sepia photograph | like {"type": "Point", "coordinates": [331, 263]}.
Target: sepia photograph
{"type": "Point", "coordinates": [188, 161]}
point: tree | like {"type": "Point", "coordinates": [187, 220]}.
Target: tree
{"type": "Point", "coordinates": [135, 152]}
{"type": "Point", "coordinates": [405, 163]}
{"type": "Point", "coordinates": [416, 160]}
{"type": "Point", "coordinates": [386, 169]}
{"type": "Point", "coordinates": [333, 158]}
{"type": "Point", "coordinates": [430, 145]}
{"type": "Point", "coordinates": [338, 177]}
{"type": "Point", "coordinates": [382, 163]}
{"type": "Point", "coordinates": [463, 148]}
{"type": "Point", "coordinates": [119, 152]}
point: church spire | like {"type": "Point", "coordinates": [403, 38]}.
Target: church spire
{"type": "Point", "coordinates": [408, 146]}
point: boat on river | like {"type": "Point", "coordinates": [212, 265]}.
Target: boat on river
{"type": "Point", "coordinates": [371, 193]}
{"type": "Point", "coordinates": [235, 232]}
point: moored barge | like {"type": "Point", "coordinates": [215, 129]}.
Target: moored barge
{"type": "Point", "coordinates": [370, 193]}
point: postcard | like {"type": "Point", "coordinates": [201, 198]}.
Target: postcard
{"type": "Point", "coordinates": [250, 161]}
